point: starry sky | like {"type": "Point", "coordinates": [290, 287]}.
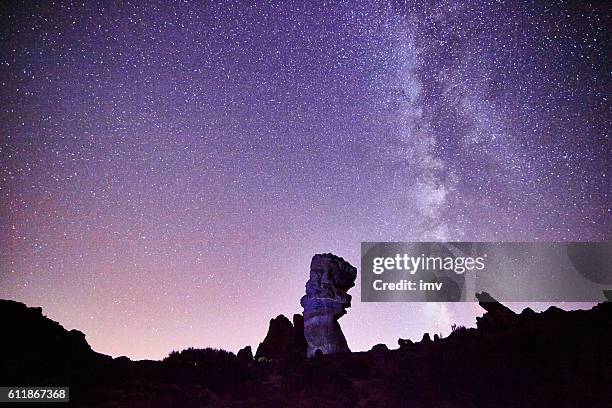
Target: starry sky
{"type": "Point", "coordinates": [168, 169]}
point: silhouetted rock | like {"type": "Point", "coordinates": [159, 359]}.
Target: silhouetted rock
{"type": "Point", "coordinates": [528, 312]}
{"type": "Point", "coordinates": [426, 338]}
{"type": "Point", "coordinates": [245, 354]}
{"type": "Point", "coordinates": [403, 343]}
{"type": "Point", "coordinates": [299, 347]}
{"type": "Point", "coordinates": [325, 301]}
{"type": "Point", "coordinates": [280, 334]}
{"type": "Point", "coordinates": [379, 355]}
{"type": "Point", "coordinates": [554, 310]}
{"type": "Point", "coordinates": [284, 341]}
{"type": "Point", "coordinates": [379, 348]}
{"type": "Point", "coordinates": [497, 316]}
{"type": "Point", "coordinates": [551, 358]}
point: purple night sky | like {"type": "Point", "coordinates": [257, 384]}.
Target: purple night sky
{"type": "Point", "coordinates": [167, 170]}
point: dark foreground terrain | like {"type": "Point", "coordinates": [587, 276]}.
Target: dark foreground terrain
{"type": "Point", "coordinates": [554, 358]}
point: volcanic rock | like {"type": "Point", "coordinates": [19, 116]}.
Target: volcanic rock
{"type": "Point", "coordinates": [29, 338]}
{"type": "Point", "coordinates": [325, 301]}
{"type": "Point", "coordinates": [284, 341]}
{"type": "Point", "coordinates": [379, 348]}
{"type": "Point", "coordinates": [403, 343]}
{"type": "Point", "coordinates": [280, 334]}
{"type": "Point", "coordinates": [299, 347]}
{"type": "Point", "coordinates": [245, 354]}
{"type": "Point", "coordinates": [527, 313]}
{"type": "Point", "coordinates": [497, 316]}
{"type": "Point", "coordinates": [551, 358]}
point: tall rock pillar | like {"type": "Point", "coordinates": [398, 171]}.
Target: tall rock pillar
{"type": "Point", "coordinates": [325, 301]}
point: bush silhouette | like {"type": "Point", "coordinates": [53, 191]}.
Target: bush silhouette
{"type": "Point", "coordinates": [216, 369]}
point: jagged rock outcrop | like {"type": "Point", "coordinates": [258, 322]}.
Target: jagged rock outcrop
{"type": "Point", "coordinates": [403, 343]}
{"type": "Point", "coordinates": [25, 326]}
{"type": "Point", "coordinates": [325, 301]}
{"type": "Point", "coordinates": [245, 354]}
{"type": "Point", "coordinates": [280, 333]}
{"type": "Point", "coordinates": [284, 340]}
{"type": "Point", "coordinates": [497, 316]}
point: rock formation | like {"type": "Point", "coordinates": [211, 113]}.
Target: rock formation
{"type": "Point", "coordinates": [325, 301]}
{"type": "Point", "coordinates": [245, 354]}
{"type": "Point", "coordinates": [284, 341]}
{"type": "Point", "coordinates": [497, 316]}
{"type": "Point", "coordinates": [551, 358]}
{"type": "Point", "coordinates": [299, 346]}
{"type": "Point", "coordinates": [379, 348]}
{"type": "Point", "coordinates": [280, 333]}
{"type": "Point", "coordinates": [404, 343]}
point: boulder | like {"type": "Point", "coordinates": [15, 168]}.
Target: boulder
{"type": "Point", "coordinates": [528, 313]}
{"type": "Point", "coordinates": [379, 348]}
{"type": "Point", "coordinates": [403, 343]}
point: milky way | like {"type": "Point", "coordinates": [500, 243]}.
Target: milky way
{"type": "Point", "coordinates": [168, 169]}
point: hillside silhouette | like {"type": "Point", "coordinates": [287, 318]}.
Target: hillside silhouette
{"type": "Point", "coordinates": [552, 358]}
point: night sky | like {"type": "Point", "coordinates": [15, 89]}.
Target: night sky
{"type": "Point", "coordinates": [169, 169]}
